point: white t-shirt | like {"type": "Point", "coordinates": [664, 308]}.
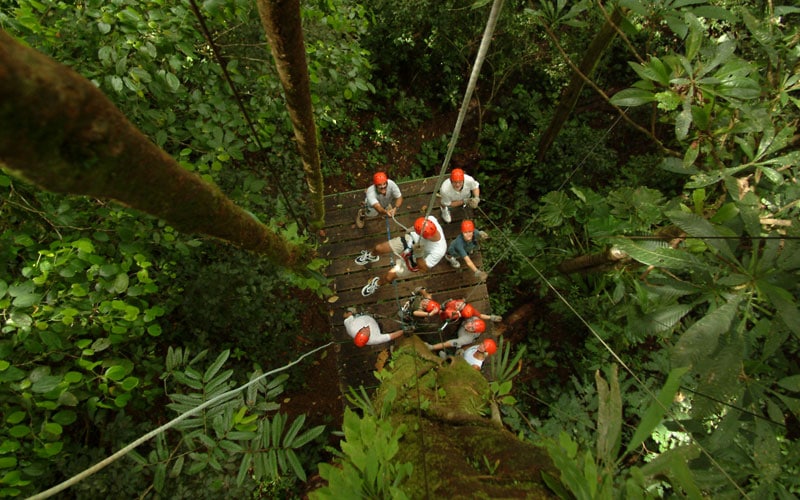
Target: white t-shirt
{"type": "Point", "coordinates": [385, 200]}
{"type": "Point", "coordinates": [469, 356]}
{"type": "Point", "coordinates": [449, 195]}
{"type": "Point", "coordinates": [432, 250]}
{"type": "Point", "coordinates": [355, 323]}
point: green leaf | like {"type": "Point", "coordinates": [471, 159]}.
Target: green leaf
{"type": "Point", "coordinates": [46, 383]}
{"type": "Point", "coordinates": [293, 430]}
{"type": "Point", "coordinates": [701, 339]}
{"type": "Point", "coordinates": [215, 366]}
{"type": "Point", "coordinates": [655, 412]}
{"type": "Point", "coordinates": [19, 431]}
{"type": "Point", "coordinates": [295, 464]}
{"type": "Point", "coordinates": [791, 383]}
{"type": "Point", "coordinates": [632, 97]}
{"type": "Point", "coordinates": [116, 373]}
{"type": "Point", "coordinates": [308, 436]}
{"type": "Point", "coordinates": [699, 227]}
{"type": "Point", "coordinates": [659, 254]}
{"type": "Point", "coordinates": [160, 476]}
{"type": "Point", "coordinates": [609, 418]}
{"type": "Point", "coordinates": [15, 417]}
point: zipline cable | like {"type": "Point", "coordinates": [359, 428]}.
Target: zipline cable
{"type": "Point", "coordinates": [172, 423]}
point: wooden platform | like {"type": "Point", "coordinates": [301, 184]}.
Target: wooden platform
{"type": "Point", "coordinates": [345, 242]}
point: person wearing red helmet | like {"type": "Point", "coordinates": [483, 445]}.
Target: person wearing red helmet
{"type": "Point", "coordinates": [477, 354]}
{"type": "Point", "coordinates": [364, 330]}
{"type": "Point", "coordinates": [468, 332]}
{"type": "Point", "coordinates": [458, 191]}
{"type": "Point", "coordinates": [417, 251]}
{"type": "Point", "coordinates": [455, 309]}
{"type": "Point", "coordinates": [464, 245]}
{"type": "Point", "coordinates": [383, 197]}
{"type": "Point", "coordinates": [426, 307]}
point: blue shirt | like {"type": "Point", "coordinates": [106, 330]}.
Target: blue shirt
{"type": "Point", "coordinates": [460, 247]}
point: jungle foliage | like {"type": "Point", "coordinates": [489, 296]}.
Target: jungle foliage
{"type": "Point", "coordinates": [697, 184]}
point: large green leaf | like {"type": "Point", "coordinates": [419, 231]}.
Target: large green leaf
{"type": "Point", "coordinates": [700, 340]}
{"type": "Point", "coordinates": [659, 254]}
{"type": "Point", "coordinates": [609, 418]}
{"type": "Point", "coordinates": [633, 97]}
{"type": "Point", "coordinates": [698, 227]}
{"type": "Point", "coordinates": [655, 412]}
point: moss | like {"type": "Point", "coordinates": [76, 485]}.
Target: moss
{"type": "Point", "coordinates": [457, 452]}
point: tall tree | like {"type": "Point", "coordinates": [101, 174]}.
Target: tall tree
{"type": "Point", "coordinates": [284, 29]}
{"type": "Point", "coordinates": [60, 132]}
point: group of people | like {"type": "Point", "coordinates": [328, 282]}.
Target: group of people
{"type": "Point", "coordinates": [419, 250]}
{"type": "Point", "coordinates": [423, 247]}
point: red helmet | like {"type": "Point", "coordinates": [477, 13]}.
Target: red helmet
{"type": "Point", "coordinates": [449, 314]}
{"type": "Point", "coordinates": [457, 175]}
{"type": "Point", "coordinates": [424, 228]}
{"type": "Point", "coordinates": [489, 346]}
{"type": "Point", "coordinates": [430, 305]}
{"type": "Point", "coordinates": [477, 325]}
{"type": "Point", "coordinates": [379, 178]}
{"type": "Point", "coordinates": [468, 312]}
{"type": "Point", "coordinates": [362, 337]}
{"type": "Point", "coordinates": [467, 226]}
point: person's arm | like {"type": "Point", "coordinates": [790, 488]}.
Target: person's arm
{"type": "Point", "coordinates": [378, 208]}
{"type": "Point", "coordinates": [396, 335]}
{"type": "Point", "coordinates": [471, 265]}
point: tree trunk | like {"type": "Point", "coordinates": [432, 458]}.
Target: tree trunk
{"type": "Point", "coordinates": [570, 95]}
{"type": "Point", "coordinates": [593, 262]}
{"type": "Point", "coordinates": [58, 131]}
{"type": "Point", "coordinates": [283, 26]}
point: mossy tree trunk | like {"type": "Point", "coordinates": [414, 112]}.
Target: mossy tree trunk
{"type": "Point", "coordinates": [58, 131]}
{"type": "Point", "coordinates": [283, 26]}
{"type": "Point", "coordinates": [570, 95]}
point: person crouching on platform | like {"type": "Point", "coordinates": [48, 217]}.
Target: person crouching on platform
{"type": "Point", "coordinates": [364, 329]}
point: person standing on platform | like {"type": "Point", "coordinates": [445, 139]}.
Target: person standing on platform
{"type": "Point", "coordinates": [383, 197]}
{"type": "Point", "coordinates": [464, 245]}
{"type": "Point", "coordinates": [458, 191]}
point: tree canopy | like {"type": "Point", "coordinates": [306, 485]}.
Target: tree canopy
{"type": "Point", "coordinates": [656, 234]}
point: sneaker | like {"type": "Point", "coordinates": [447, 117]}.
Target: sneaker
{"type": "Point", "coordinates": [360, 218]}
{"type": "Point", "coordinates": [370, 287]}
{"type": "Point", "coordinates": [452, 261]}
{"type": "Point", "coordinates": [366, 257]}
{"type": "Point", "coordinates": [446, 215]}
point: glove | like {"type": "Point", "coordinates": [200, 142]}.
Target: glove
{"type": "Point", "coordinates": [495, 318]}
{"type": "Point", "coordinates": [484, 235]}
{"type": "Point", "coordinates": [481, 275]}
{"type": "Point", "coordinates": [429, 346]}
{"type": "Point", "coordinates": [473, 202]}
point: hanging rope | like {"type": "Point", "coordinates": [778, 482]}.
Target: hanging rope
{"type": "Point", "coordinates": [497, 5]}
